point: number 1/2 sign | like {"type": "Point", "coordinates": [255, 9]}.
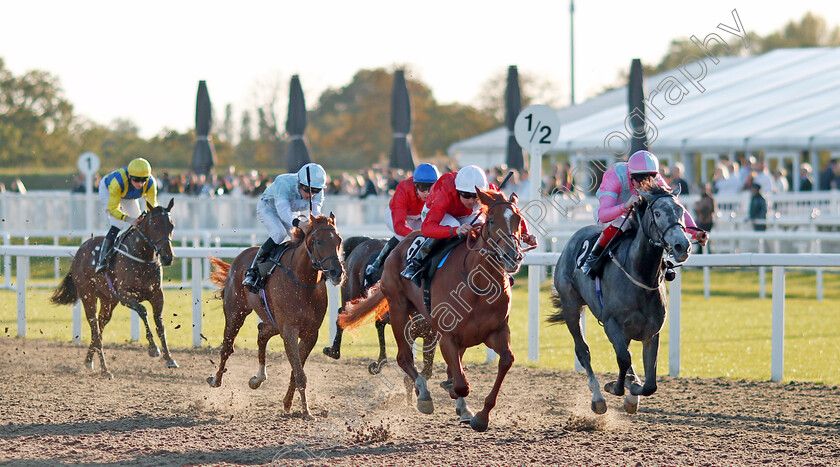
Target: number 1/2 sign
{"type": "Point", "coordinates": [537, 128]}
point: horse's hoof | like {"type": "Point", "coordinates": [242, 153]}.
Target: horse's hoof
{"type": "Point", "coordinates": [467, 417]}
{"type": "Point", "coordinates": [478, 424]}
{"type": "Point", "coordinates": [88, 364]}
{"type": "Point", "coordinates": [308, 417]}
{"type": "Point", "coordinates": [171, 364]}
{"type": "Point", "coordinates": [599, 407]}
{"type": "Point", "coordinates": [254, 382]}
{"type": "Point", "coordinates": [613, 388]}
{"type": "Point", "coordinates": [211, 380]}
{"type": "Point", "coordinates": [631, 404]}
{"type": "Point", "coordinates": [106, 375]}
{"type": "Point", "coordinates": [373, 368]}
{"type": "Point", "coordinates": [334, 354]}
{"type": "Point", "coordinates": [447, 384]}
{"type": "Point", "coordinates": [426, 406]}
{"type": "Point", "coordinates": [154, 352]}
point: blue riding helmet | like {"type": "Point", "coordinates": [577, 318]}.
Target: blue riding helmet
{"type": "Point", "coordinates": [426, 173]}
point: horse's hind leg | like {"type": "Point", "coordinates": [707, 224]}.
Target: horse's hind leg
{"type": "Point", "coordinates": [499, 341]}
{"type": "Point", "coordinates": [334, 351]}
{"type": "Point", "coordinates": [266, 332]}
{"type": "Point", "coordinates": [89, 304]}
{"type": "Point", "coordinates": [631, 401]}
{"type": "Point", "coordinates": [373, 368]}
{"type": "Point", "coordinates": [400, 325]}
{"type": "Point", "coordinates": [233, 323]}
{"type": "Point", "coordinates": [157, 312]}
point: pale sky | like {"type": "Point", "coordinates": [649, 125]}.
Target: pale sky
{"type": "Point", "coordinates": [143, 60]}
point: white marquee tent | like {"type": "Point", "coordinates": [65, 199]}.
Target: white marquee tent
{"type": "Point", "coordinates": [785, 103]}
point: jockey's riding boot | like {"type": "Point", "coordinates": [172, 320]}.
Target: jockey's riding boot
{"type": "Point", "coordinates": [105, 248]}
{"type": "Point", "coordinates": [415, 264]}
{"type": "Point", "coordinates": [370, 271]}
{"type": "Point", "coordinates": [252, 275]}
{"type": "Point", "coordinates": [591, 261]}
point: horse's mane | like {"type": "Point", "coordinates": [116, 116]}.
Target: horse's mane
{"type": "Point", "coordinates": [298, 234]}
{"type": "Point", "coordinates": [651, 188]}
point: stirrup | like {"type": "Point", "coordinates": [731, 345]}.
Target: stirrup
{"type": "Point", "coordinates": [251, 279]}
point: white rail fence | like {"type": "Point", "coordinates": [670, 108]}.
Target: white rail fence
{"type": "Point", "coordinates": [535, 261]}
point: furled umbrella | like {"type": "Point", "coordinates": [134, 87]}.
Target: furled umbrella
{"type": "Point", "coordinates": [295, 126]}
{"type": "Point", "coordinates": [513, 105]}
{"type": "Point", "coordinates": [401, 154]}
{"type": "Point", "coordinates": [204, 154]}
{"type": "Point", "coordinates": [636, 101]}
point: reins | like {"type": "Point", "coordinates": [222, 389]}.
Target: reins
{"type": "Point", "coordinates": [317, 265]}
{"type": "Point", "coordinates": [155, 245]}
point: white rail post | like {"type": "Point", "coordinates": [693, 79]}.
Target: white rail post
{"type": "Point", "coordinates": [135, 326]}
{"type": "Point", "coordinates": [184, 262]}
{"type": "Point", "coordinates": [77, 321]}
{"type": "Point", "coordinates": [819, 271]}
{"type": "Point", "coordinates": [56, 260]}
{"type": "Point", "coordinates": [7, 262]}
{"type": "Point", "coordinates": [20, 286]}
{"type": "Point", "coordinates": [534, 275]}
{"type": "Point", "coordinates": [196, 298]}
{"type": "Point", "coordinates": [762, 274]}
{"type": "Point", "coordinates": [707, 283]}
{"type": "Point", "coordinates": [777, 363]}
{"type": "Point", "coordinates": [675, 312]}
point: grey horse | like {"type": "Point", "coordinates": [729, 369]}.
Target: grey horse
{"type": "Point", "coordinates": [633, 303]}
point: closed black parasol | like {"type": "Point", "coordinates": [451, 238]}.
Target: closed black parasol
{"type": "Point", "coordinates": [636, 100]}
{"type": "Point", "coordinates": [513, 105]}
{"type": "Point", "coordinates": [401, 154]}
{"type": "Point", "coordinates": [295, 126]}
{"type": "Point", "coordinates": [204, 155]}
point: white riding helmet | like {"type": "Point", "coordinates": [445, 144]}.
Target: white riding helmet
{"type": "Point", "coordinates": [317, 176]}
{"type": "Point", "coordinates": [470, 177]}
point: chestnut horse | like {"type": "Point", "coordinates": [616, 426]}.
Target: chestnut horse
{"type": "Point", "coordinates": [470, 303]}
{"type": "Point", "coordinates": [292, 304]}
{"type": "Point", "coordinates": [358, 253]}
{"type": "Point", "coordinates": [133, 275]}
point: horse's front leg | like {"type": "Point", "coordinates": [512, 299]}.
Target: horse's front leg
{"type": "Point", "coordinates": [290, 339]}
{"type": "Point", "coordinates": [265, 332]}
{"type": "Point", "coordinates": [650, 353]}
{"type": "Point", "coordinates": [615, 333]}
{"type": "Point", "coordinates": [135, 305]}
{"type": "Point", "coordinates": [157, 312]}
{"type": "Point", "coordinates": [499, 341]}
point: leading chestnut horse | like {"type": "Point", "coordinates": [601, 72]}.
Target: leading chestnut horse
{"type": "Point", "coordinates": [133, 275]}
{"type": "Point", "coordinates": [292, 303]}
{"type": "Point", "coordinates": [470, 303]}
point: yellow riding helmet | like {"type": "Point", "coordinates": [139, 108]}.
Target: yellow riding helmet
{"type": "Point", "coordinates": [139, 168]}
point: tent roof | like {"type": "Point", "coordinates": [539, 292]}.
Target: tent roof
{"type": "Point", "coordinates": [786, 99]}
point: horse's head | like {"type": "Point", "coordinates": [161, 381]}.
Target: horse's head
{"type": "Point", "coordinates": [156, 228]}
{"type": "Point", "coordinates": [663, 220]}
{"type": "Point", "coordinates": [323, 243]}
{"type": "Point", "coordinates": [502, 229]}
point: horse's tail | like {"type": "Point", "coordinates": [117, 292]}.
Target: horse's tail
{"type": "Point", "coordinates": [347, 246]}
{"type": "Point", "coordinates": [65, 293]}
{"type": "Point", "coordinates": [358, 309]}
{"type": "Point", "coordinates": [556, 317]}
{"type": "Point", "coordinates": [219, 274]}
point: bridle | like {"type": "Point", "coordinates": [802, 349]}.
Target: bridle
{"type": "Point", "coordinates": [496, 250]}
{"type": "Point", "coordinates": [661, 242]}
{"type": "Point", "coordinates": [156, 245]}
{"type": "Point", "coordinates": [318, 264]}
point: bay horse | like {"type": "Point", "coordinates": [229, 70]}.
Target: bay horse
{"type": "Point", "coordinates": [633, 304]}
{"type": "Point", "coordinates": [358, 253]}
{"type": "Point", "coordinates": [292, 303]}
{"type": "Point", "coordinates": [133, 275]}
{"type": "Point", "coordinates": [470, 304]}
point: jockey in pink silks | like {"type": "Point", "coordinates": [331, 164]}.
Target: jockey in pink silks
{"type": "Point", "coordinates": [618, 193]}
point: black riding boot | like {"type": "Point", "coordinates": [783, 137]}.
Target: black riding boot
{"type": "Point", "coordinates": [594, 259]}
{"type": "Point", "coordinates": [415, 264]}
{"type": "Point", "coordinates": [370, 271]}
{"type": "Point", "coordinates": [105, 248]}
{"type": "Point", "coordinates": [252, 275]}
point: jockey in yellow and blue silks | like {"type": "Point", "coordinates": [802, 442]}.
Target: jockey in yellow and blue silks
{"type": "Point", "coordinates": [120, 192]}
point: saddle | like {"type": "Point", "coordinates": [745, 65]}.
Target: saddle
{"type": "Point", "coordinates": [267, 266]}
{"type": "Point", "coordinates": [433, 262]}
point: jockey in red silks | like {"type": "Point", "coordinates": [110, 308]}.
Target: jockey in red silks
{"type": "Point", "coordinates": [450, 209]}
{"type": "Point", "coordinates": [404, 211]}
{"type": "Point", "coordinates": [618, 193]}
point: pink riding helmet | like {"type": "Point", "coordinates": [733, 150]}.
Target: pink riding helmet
{"type": "Point", "coordinates": [643, 162]}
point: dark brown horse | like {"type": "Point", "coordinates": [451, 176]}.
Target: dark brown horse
{"type": "Point", "coordinates": [358, 253]}
{"type": "Point", "coordinates": [470, 303]}
{"type": "Point", "coordinates": [133, 275]}
{"type": "Point", "coordinates": [292, 304]}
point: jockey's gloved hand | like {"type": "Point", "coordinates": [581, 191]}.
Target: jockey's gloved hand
{"type": "Point", "coordinates": [630, 203]}
{"type": "Point", "coordinates": [701, 236]}
{"type": "Point", "coordinates": [132, 220]}
{"type": "Point", "coordinates": [529, 239]}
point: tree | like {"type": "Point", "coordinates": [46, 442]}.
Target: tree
{"type": "Point", "coordinates": [533, 89]}
{"type": "Point", "coordinates": [810, 31]}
